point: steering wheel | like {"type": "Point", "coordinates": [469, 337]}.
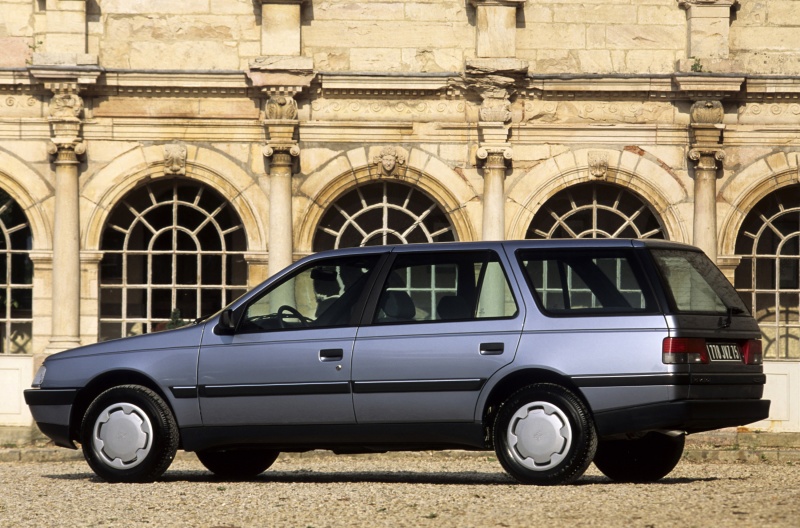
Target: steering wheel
{"type": "Point", "coordinates": [290, 312]}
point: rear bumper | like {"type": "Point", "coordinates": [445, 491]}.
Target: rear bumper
{"type": "Point", "coordinates": [692, 416]}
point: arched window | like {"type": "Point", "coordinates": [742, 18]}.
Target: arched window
{"type": "Point", "coordinates": [382, 213]}
{"type": "Point", "coordinates": [173, 251]}
{"type": "Point", "coordinates": [16, 278]}
{"type": "Point", "coordinates": [768, 276]}
{"type": "Point", "coordinates": [595, 210]}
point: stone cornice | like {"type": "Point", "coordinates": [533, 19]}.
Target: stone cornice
{"type": "Point", "coordinates": [406, 85]}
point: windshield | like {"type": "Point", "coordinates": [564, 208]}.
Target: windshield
{"type": "Point", "coordinates": [695, 284]}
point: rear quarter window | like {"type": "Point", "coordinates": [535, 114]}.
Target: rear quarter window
{"type": "Point", "coordinates": [587, 282]}
{"type": "Point", "coordinates": [694, 284]}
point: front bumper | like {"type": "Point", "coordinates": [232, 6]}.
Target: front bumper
{"type": "Point", "coordinates": [51, 409]}
{"type": "Point", "coordinates": [691, 416]}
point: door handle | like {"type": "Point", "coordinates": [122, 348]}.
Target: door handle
{"type": "Point", "coordinates": [331, 354]}
{"type": "Point", "coordinates": [492, 349]}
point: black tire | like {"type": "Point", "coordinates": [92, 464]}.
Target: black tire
{"type": "Point", "coordinates": [239, 464]}
{"type": "Point", "coordinates": [129, 434]}
{"type": "Point", "coordinates": [544, 434]}
{"type": "Point", "coordinates": [644, 459]}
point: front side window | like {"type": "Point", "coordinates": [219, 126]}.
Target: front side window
{"type": "Point", "coordinates": [695, 284]}
{"type": "Point", "coordinates": [324, 294]}
{"type": "Point", "coordinates": [587, 283]}
{"type": "Point", "coordinates": [458, 286]}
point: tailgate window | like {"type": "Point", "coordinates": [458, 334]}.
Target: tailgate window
{"type": "Point", "coordinates": [695, 285]}
{"type": "Point", "coordinates": [587, 282]}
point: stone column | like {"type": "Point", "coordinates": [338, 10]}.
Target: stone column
{"type": "Point", "coordinates": [66, 146]}
{"type": "Point", "coordinates": [281, 148]}
{"type": "Point", "coordinates": [706, 150]}
{"type": "Point", "coordinates": [494, 195]}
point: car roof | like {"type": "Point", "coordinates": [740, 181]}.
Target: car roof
{"type": "Point", "coordinates": [511, 245]}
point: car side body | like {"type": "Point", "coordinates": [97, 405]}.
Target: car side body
{"type": "Point", "coordinates": [554, 353]}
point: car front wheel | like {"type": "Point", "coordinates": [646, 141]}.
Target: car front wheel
{"type": "Point", "coordinates": [643, 459]}
{"type": "Point", "coordinates": [544, 434]}
{"type": "Point", "coordinates": [239, 463]}
{"type": "Point", "coordinates": [129, 434]}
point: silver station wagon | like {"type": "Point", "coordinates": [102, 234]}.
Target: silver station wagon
{"type": "Point", "coordinates": [554, 353]}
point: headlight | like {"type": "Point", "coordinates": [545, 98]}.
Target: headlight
{"type": "Point", "coordinates": [38, 379]}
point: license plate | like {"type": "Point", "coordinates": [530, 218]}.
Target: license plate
{"type": "Point", "coordinates": [723, 352]}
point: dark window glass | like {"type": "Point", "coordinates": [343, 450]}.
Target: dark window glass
{"type": "Point", "coordinates": [579, 282]}
{"type": "Point", "coordinates": [451, 286]}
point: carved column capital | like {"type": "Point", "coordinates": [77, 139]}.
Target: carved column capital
{"type": "Point", "coordinates": [707, 158]}
{"type": "Point", "coordinates": [495, 156]}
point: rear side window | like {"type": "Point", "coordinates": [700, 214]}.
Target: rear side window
{"type": "Point", "coordinates": [587, 282]}
{"type": "Point", "coordinates": [445, 286]}
{"type": "Point", "coordinates": [695, 284]}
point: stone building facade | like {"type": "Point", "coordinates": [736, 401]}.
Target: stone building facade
{"type": "Point", "coordinates": [158, 158]}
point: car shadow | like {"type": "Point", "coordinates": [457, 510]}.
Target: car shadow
{"type": "Point", "coordinates": [376, 477]}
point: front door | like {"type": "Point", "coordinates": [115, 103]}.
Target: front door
{"type": "Point", "coordinates": [289, 359]}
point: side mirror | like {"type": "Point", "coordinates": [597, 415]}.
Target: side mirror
{"type": "Point", "coordinates": [225, 326]}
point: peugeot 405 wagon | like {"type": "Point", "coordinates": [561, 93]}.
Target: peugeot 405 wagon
{"type": "Point", "coordinates": [553, 353]}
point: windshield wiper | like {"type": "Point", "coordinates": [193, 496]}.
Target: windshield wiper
{"type": "Point", "coordinates": [732, 310]}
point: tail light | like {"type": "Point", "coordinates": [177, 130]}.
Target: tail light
{"type": "Point", "coordinates": [752, 353]}
{"type": "Point", "coordinates": [683, 350]}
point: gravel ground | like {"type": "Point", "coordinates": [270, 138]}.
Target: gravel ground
{"type": "Point", "coordinates": [409, 489]}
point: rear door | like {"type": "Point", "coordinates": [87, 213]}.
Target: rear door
{"type": "Point", "coordinates": [439, 326]}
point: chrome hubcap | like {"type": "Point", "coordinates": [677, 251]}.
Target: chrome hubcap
{"type": "Point", "coordinates": [539, 436]}
{"type": "Point", "coordinates": [122, 436]}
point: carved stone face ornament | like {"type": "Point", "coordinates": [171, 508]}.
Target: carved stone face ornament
{"type": "Point", "coordinates": [66, 105]}
{"type": "Point", "coordinates": [598, 164]}
{"type": "Point", "coordinates": [175, 159]}
{"type": "Point", "coordinates": [388, 160]}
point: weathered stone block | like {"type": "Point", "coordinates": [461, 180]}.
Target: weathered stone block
{"type": "Point", "coordinates": [359, 11]}
{"type": "Point", "coordinates": [765, 38]}
{"type": "Point", "coordinates": [155, 7]}
{"type": "Point", "coordinates": [635, 37]}
{"type": "Point", "coordinates": [376, 59]}
{"type": "Point", "coordinates": [552, 36]}
{"type": "Point", "coordinates": [609, 13]}
{"type": "Point", "coordinates": [451, 12]}
{"type": "Point", "coordinates": [16, 52]}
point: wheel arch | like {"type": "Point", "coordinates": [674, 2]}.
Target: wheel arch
{"type": "Point", "coordinates": [513, 381]}
{"type": "Point", "coordinates": [102, 383]}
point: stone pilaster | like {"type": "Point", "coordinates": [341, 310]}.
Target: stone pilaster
{"type": "Point", "coordinates": [280, 150]}
{"type": "Point", "coordinates": [280, 27]}
{"type": "Point", "coordinates": [66, 145]}
{"type": "Point", "coordinates": [707, 151]}
{"type": "Point", "coordinates": [496, 25]}
{"type": "Point", "coordinates": [708, 28]}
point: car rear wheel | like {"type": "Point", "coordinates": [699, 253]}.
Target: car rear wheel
{"type": "Point", "coordinates": [129, 434]}
{"type": "Point", "coordinates": [237, 463]}
{"type": "Point", "coordinates": [644, 459]}
{"type": "Point", "coordinates": [543, 434]}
